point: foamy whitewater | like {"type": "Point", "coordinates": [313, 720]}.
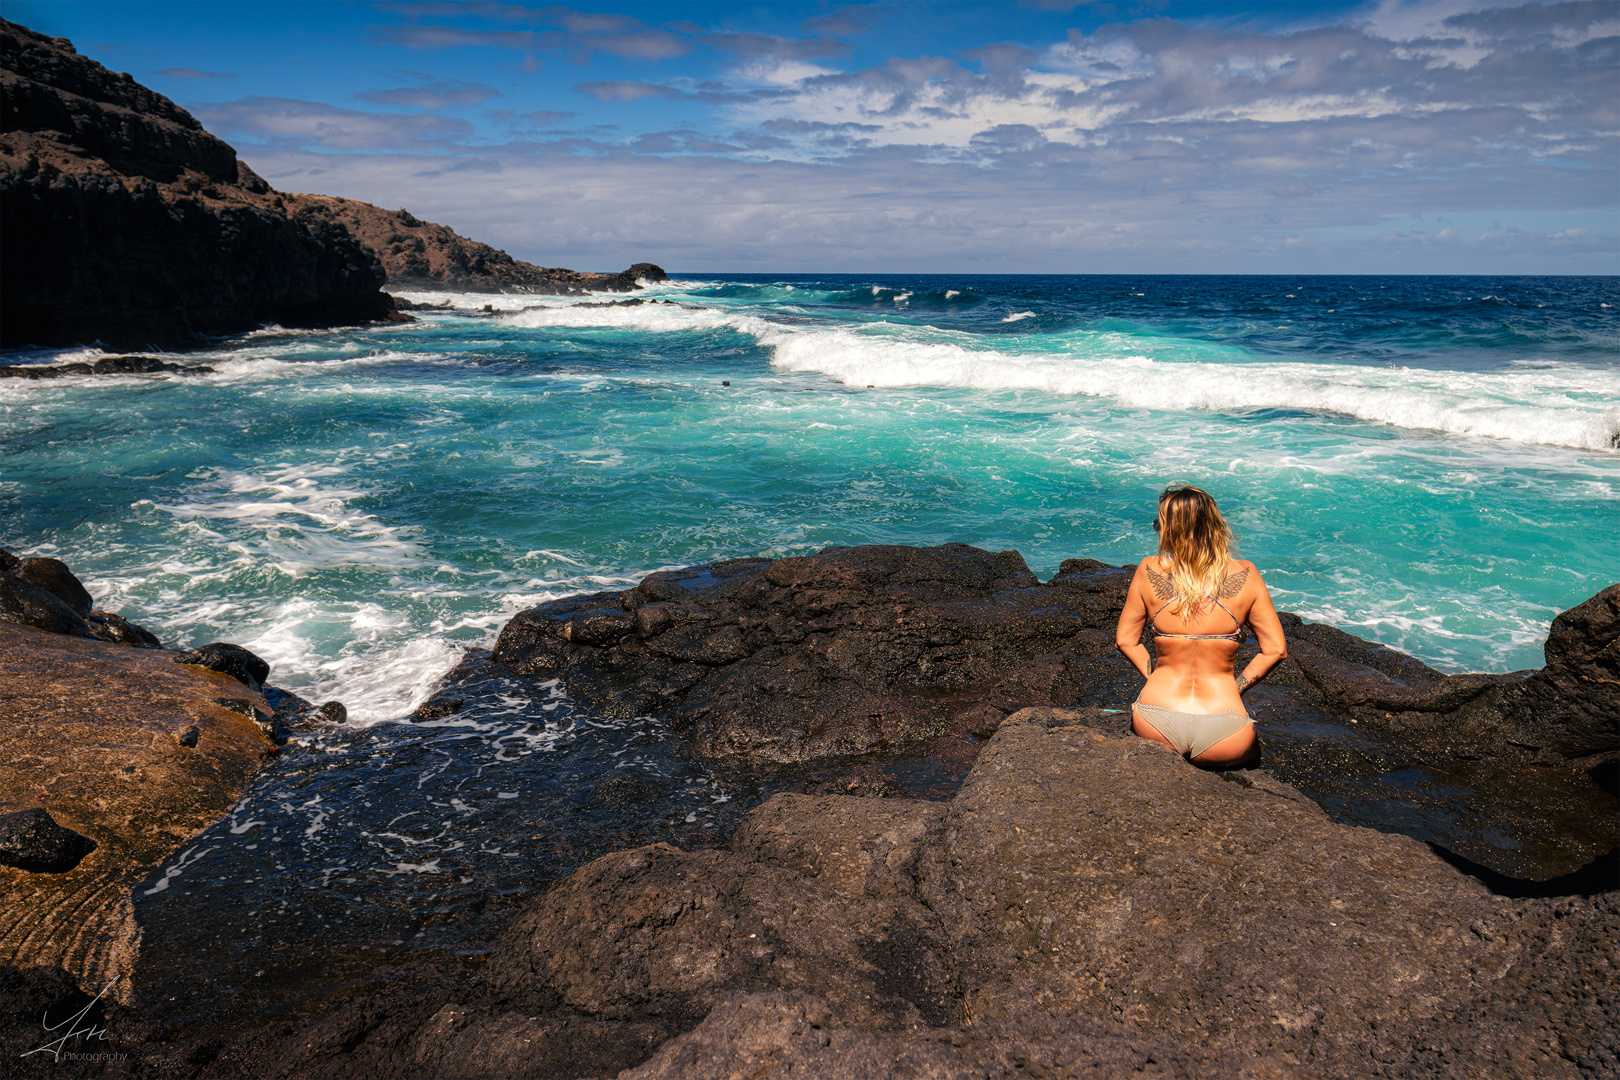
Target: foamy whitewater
{"type": "Point", "coordinates": [1426, 462]}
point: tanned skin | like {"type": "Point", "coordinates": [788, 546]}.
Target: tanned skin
{"type": "Point", "coordinates": [1195, 676]}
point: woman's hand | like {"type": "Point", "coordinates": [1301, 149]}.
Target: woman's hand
{"type": "Point", "coordinates": [1268, 631]}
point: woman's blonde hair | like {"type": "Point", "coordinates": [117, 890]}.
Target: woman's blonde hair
{"type": "Point", "coordinates": [1198, 541]}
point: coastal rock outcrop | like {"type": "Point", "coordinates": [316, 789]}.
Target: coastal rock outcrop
{"type": "Point", "coordinates": [126, 222]}
{"type": "Point", "coordinates": [422, 255]}
{"type": "Point", "coordinates": [862, 649]}
{"type": "Point", "coordinates": [95, 735]}
{"type": "Point", "coordinates": [44, 594]}
{"type": "Point", "coordinates": [112, 754]}
{"type": "Point", "coordinates": [1565, 714]}
{"type": "Point", "coordinates": [1086, 902]}
{"type": "Point", "coordinates": [849, 651]}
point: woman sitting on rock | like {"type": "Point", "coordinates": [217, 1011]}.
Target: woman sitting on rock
{"type": "Point", "coordinates": [1197, 599]}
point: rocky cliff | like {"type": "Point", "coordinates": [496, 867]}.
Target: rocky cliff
{"type": "Point", "coordinates": [418, 254]}
{"type": "Point", "coordinates": [126, 223]}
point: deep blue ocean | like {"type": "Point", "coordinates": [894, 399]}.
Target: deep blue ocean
{"type": "Point", "coordinates": [1429, 462]}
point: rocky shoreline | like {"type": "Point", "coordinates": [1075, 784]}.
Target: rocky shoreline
{"type": "Point", "coordinates": [1084, 904]}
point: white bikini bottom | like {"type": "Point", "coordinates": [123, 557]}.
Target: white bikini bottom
{"type": "Point", "coordinates": [1191, 733]}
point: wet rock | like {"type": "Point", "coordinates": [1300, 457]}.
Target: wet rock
{"type": "Point", "coordinates": [189, 736]}
{"type": "Point", "coordinates": [627, 791]}
{"type": "Point", "coordinates": [333, 712]}
{"type": "Point", "coordinates": [120, 631]}
{"type": "Point", "coordinates": [91, 731]}
{"type": "Point", "coordinates": [850, 651]}
{"type": "Point", "coordinates": [228, 659]}
{"type": "Point", "coordinates": [54, 577]}
{"type": "Point", "coordinates": [32, 840]}
{"type": "Point", "coordinates": [107, 365]}
{"type": "Point", "coordinates": [437, 708]}
{"type": "Point", "coordinates": [26, 604]}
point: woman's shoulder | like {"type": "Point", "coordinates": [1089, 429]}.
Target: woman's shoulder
{"type": "Point", "coordinates": [1239, 572]}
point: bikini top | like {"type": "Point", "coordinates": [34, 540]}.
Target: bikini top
{"type": "Point", "coordinates": [1236, 635]}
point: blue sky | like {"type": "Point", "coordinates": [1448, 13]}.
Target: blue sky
{"type": "Point", "coordinates": [1452, 136]}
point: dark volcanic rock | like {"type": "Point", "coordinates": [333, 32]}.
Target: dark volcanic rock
{"type": "Point", "coordinates": [27, 604]}
{"type": "Point", "coordinates": [661, 933]}
{"type": "Point", "coordinates": [1571, 707]}
{"type": "Point", "coordinates": [120, 631]}
{"type": "Point", "coordinates": [32, 840]}
{"type": "Point", "coordinates": [417, 254]}
{"type": "Point", "coordinates": [1569, 711]}
{"type": "Point", "coordinates": [54, 577]}
{"type": "Point", "coordinates": [45, 594]}
{"type": "Point", "coordinates": [107, 365]}
{"type": "Point", "coordinates": [1086, 905]}
{"type": "Point", "coordinates": [228, 659]}
{"type": "Point", "coordinates": [845, 652]}
{"type": "Point", "coordinates": [126, 222]}
{"type": "Point", "coordinates": [864, 649]}
{"type": "Point", "coordinates": [782, 1034]}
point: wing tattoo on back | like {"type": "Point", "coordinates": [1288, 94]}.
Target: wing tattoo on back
{"type": "Point", "coordinates": [1233, 584]}
{"type": "Point", "coordinates": [1163, 587]}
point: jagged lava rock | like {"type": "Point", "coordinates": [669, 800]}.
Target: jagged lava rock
{"type": "Point", "coordinates": [45, 594]}
{"type": "Point", "coordinates": [126, 222]}
{"type": "Point", "coordinates": [1092, 898]}
{"type": "Point", "coordinates": [1567, 713]}
{"type": "Point", "coordinates": [422, 255]}
{"type": "Point", "coordinates": [847, 651]}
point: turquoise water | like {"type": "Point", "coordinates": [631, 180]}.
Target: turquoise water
{"type": "Point", "coordinates": [1427, 462]}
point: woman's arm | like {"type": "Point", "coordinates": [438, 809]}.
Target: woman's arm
{"type": "Point", "coordinates": [1128, 637]}
{"type": "Point", "coordinates": [1268, 630]}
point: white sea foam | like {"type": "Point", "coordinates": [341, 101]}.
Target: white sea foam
{"type": "Point", "coordinates": [1566, 406]}
{"type": "Point", "coordinates": [297, 536]}
{"type": "Point", "coordinates": [1018, 316]}
{"type": "Point", "coordinates": [646, 318]}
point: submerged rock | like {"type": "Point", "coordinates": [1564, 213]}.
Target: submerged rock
{"type": "Point", "coordinates": [107, 365]}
